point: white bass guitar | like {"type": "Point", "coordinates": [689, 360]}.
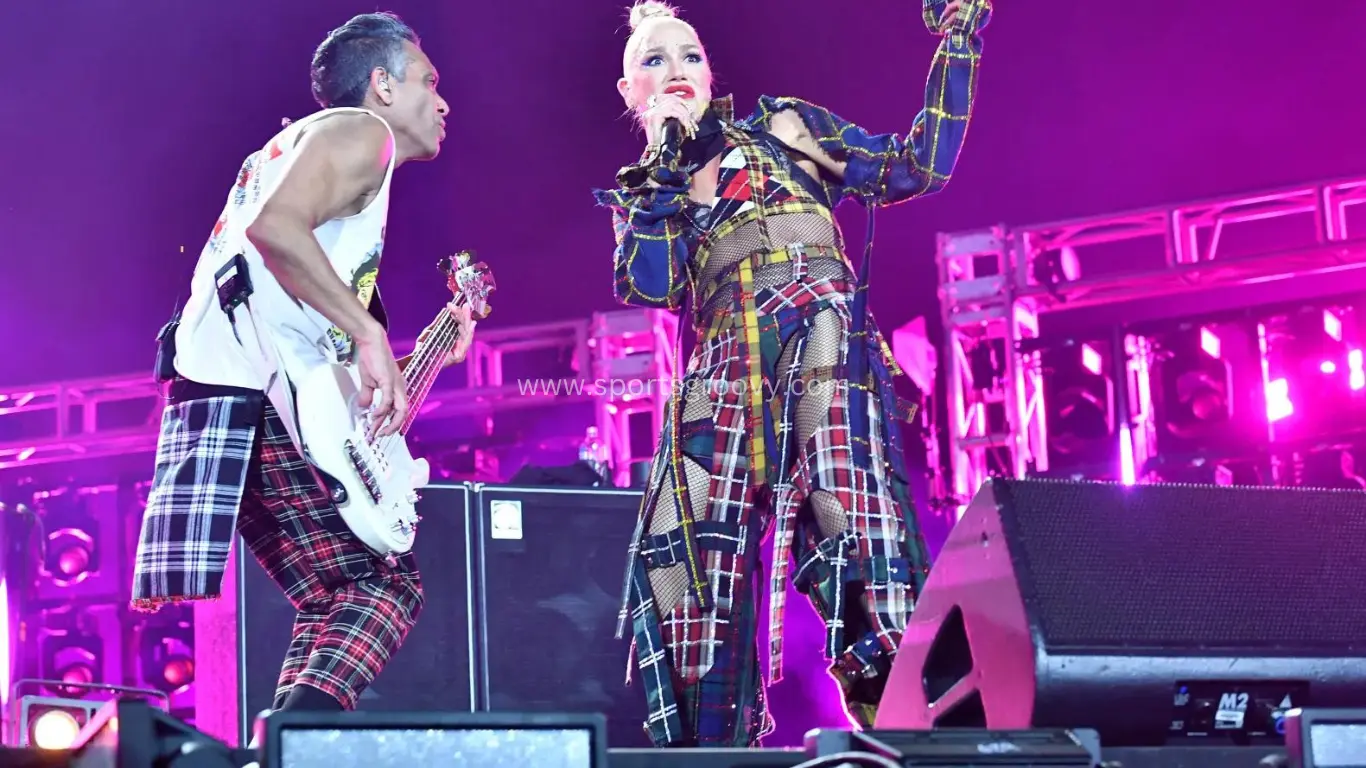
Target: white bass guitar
{"type": "Point", "coordinates": [375, 484]}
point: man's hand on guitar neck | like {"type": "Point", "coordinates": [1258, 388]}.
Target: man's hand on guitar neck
{"type": "Point", "coordinates": [464, 335]}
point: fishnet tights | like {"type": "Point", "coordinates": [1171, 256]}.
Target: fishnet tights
{"type": "Point", "coordinates": [669, 585]}
{"type": "Point", "coordinates": [823, 345]}
{"type": "Point", "coordinates": [821, 349]}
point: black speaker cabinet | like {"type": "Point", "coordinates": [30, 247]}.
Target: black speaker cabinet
{"type": "Point", "coordinates": [431, 672]}
{"type": "Point", "coordinates": [1151, 613]}
{"type": "Point", "coordinates": [553, 562]}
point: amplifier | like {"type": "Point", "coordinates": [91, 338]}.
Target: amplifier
{"type": "Point", "coordinates": [519, 620]}
{"type": "Point", "coordinates": [553, 561]}
{"type": "Point", "coordinates": [241, 640]}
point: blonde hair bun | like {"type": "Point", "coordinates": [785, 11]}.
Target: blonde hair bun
{"type": "Point", "coordinates": [650, 9]}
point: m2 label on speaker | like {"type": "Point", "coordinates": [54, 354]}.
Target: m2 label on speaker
{"type": "Point", "coordinates": [1232, 709]}
{"type": "Point", "coordinates": [1247, 711]}
{"type": "Point", "coordinates": [505, 519]}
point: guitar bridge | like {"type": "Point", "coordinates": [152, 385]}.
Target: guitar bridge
{"type": "Point", "coordinates": [367, 477]}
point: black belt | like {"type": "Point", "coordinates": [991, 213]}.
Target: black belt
{"type": "Point", "coordinates": [182, 389]}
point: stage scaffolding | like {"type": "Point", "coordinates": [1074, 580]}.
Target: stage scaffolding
{"type": "Point", "coordinates": [995, 284]}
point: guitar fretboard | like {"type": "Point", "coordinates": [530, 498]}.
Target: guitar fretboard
{"type": "Point", "coordinates": [427, 361]}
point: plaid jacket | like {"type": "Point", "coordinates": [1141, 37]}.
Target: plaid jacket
{"type": "Point", "coordinates": [203, 454]}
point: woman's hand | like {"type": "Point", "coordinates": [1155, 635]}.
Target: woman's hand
{"type": "Point", "coordinates": [661, 107]}
{"type": "Point", "coordinates": [961, 15]}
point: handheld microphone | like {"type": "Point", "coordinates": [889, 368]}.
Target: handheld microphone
{"type": "Point", "coordinates": [672, 137]}
{"type": "Point", "coordinates": [670, 142]}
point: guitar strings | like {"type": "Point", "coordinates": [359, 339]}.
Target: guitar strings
{"type": "Point", "coordinates": [424, 368]}
{"type": "Point", "coordinates": [420, 374]}
{"type": "Point", "coordinates": [428, 370]}
{"type": "Point", "coordinates": [432, 365]}
{"type": "Point", "coordinates": [427, 364]}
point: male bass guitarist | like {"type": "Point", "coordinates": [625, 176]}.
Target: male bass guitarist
{"type": "Point", "coordinates": [286, 283]}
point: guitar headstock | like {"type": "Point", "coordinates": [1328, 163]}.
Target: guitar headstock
{"type": "Point", "coordinates": [470, 281]}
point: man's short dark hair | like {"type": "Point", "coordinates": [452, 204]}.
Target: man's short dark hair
{"type": "Point", "coordinates": [343, 62]}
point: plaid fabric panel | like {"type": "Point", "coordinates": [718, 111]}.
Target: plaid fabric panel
{"type": "Point", "coordinates": [653, 242]}
{"type": "Point", "coordinates": [187, 529]}
{"type": "Point", "coordinates": [884, 169]}
{"type": "Point", "coordinates": [700, 667]}
{"type": "Point", "coordinates": [876, 520]}
{"type": "Point", "coordinates": [689, 634]}
{"type": "Point", "coordinates": [354, 609]}
{"type": "Point", "coordinates": [883, 551]}
{"type": "Point", "coordinates": [706, 658]}
{"type": "Point", "coordinates": [664, 720]}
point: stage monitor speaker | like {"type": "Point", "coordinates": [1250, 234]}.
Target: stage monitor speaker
{"type": "Point", "coordinates": [553, 564]}
{"type": "Point", "coordinates": [410, 739]}
{"type": "Point", "coordinates": [1152, 613]}
{"type": "Point", "coordinates": [238, 652]}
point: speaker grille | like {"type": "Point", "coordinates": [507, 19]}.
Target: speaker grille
{"type": "Point", "coordinates": [432, 669]}
{"type": "Point", "coordinates": [551, 594]}
{"type": "Point", "coordinates": [1187, 567]}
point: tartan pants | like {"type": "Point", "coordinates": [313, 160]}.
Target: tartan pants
{"type": "Point", "coordinates": [700, 665]}
{"type": "Point", "coordinates": [354, 609]}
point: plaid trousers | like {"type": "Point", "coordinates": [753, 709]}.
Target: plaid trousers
{"type": "Point", "coordinates": [354, 608]}
{"type": "Point", "coordinates": [699, 663]}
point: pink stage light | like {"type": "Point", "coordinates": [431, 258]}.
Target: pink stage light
{"type": "Point", "coordinates": [1090, 359]}
{"type": "Point", "coordinates": [1356, 377]}
{"type": "Point", "coordinates": [1329, 367]}
{"type": "Point", "coordinates": [1209, 342]}
{"type": "Point", "coordinates": [5, 661]}
{"type": "Point", "coordinates": [1127, 471]}
{"type": "Point", "coordinates": [1332, 325]}
{"type": "Point", "coordinates": [1278, 405]}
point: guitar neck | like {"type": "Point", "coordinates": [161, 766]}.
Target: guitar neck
{"type": "Point", "coordinates": [426, 363]}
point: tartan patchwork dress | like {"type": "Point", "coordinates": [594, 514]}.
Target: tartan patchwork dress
{"type": "Point", "coordinates": [739, 455]}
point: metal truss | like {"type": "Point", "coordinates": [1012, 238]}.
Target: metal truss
{"type": "Point", "coordinates": [612, 357]}
{"type": "Point", "coordinates": [487, 386]}
{"type": "Point", "coordinates": [74, 420]}
{"type": "Point", "coordinates": [635, 372]}
{"type": "Point", "coordinates": [994, 284]}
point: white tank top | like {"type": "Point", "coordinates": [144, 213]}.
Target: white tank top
{"type": "Point", "coordinates": [273, 336]}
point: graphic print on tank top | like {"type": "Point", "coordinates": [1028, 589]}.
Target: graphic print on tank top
{"type": "Point", "coordinates": [245, 190]}
{"type": "Point", "coordinates": [362, 283]}
{"type": "Point", "coordinates": [240, 196]}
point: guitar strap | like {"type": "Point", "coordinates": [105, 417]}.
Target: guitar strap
{"type": "Point", "coordinates": [163, 369]}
